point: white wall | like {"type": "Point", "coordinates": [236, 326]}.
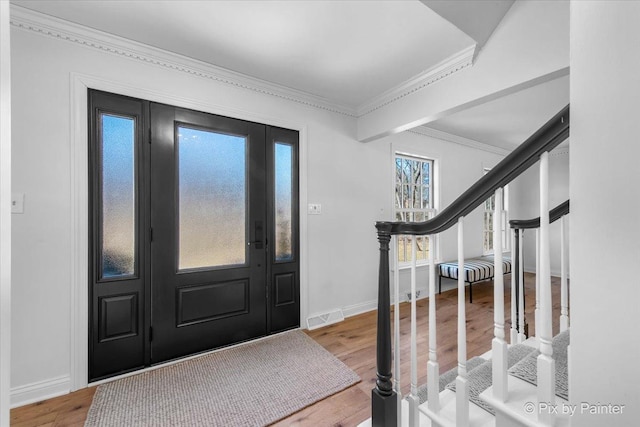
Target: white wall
{"type": "Point", "coordinates": [525, 204]}
{"type": "Point", "coordinates": [5, 212]}
{"type": "Point", "coordinates": [458, 167]}
{"type": "Point", "coordinates": [350, 179]}
{"type": "Point", "coordinates": [605, 208]}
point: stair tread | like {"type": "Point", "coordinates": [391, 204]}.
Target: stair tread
{"type": "Point", "coordinates": [480, 378]}
{"type": "Point", "coordinates": [478, 417]}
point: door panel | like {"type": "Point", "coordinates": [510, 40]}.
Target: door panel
{"type": "Point", "coordinates": [284, 259]}
{"type": "Point", "coordinates": [208, 201]}
{"type": "Point", "coordinates": [118, 317]}
{"type": "Point", "coordinates": [117, 339]}
{"type": "Point", "coordinates": [215, 301]}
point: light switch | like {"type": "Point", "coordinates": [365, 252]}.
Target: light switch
{"type": "Point", "coordinates": [17, 203]}
{"type": "Point", "coordinates": [315, 209]}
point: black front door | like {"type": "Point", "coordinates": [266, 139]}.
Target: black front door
{"type": "Point", "coordinates": [208, 215]}
{"type": "Point", "coordinates": [215, 259]}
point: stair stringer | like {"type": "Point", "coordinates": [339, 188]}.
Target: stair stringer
{"type": "Point", "coordinates": [521, 407]}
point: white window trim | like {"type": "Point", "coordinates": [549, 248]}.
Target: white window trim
{"type": "Point", "coordinates": [506, 242]}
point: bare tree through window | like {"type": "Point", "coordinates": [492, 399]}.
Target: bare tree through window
{"type": "Point", "coordinates": [413, 202]}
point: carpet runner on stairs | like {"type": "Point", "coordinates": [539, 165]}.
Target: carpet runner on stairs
{"type": "Point", "coordinates": [527, 368]}
{"type": "Point", "coordinates": [521, 361]}
{"type": "Point", "coordinates": [450, 376]}
{"type": "Point", "coordinates": [480, 378]}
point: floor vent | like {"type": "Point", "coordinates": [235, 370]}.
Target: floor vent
{"type": "Point", "coordinates": [325, 319]}
{"type": "Point", "coordinates": [418, 293]}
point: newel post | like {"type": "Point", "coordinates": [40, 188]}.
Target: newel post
{"type": "Point", "coordinates": [384, 405]}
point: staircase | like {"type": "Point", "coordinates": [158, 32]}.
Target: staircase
{"type": "Point", "coordinates": [522, 408]}
{"type": "Point", "coordinates": [486, 391]}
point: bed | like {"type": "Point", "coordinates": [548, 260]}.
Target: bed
{"type": "Point", "coordinates": [475, 270]}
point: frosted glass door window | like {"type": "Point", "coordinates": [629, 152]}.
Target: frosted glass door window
{"type": "Point", "coordinates": [283, 208]}
{"type": "Point", "coordinates": [212, 200]}
{"type": "Point", "coordinates": [118, 195]}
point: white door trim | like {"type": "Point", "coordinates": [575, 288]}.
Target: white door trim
{"type": "Point", "coordinates": [79, 196]}
{"type": "Point", "coordinates": [5, 213]}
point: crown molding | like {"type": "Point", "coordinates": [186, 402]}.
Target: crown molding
{"type": "Point", "coordinates": [49, 26]}
{"type": "Point", "coordinates": [445, 136]}
{"type": "Point", "coordinates": [561, 150]}
{"type": "Point", "coordinates": [454, 63]}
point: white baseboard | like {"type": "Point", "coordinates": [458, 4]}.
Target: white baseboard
{"type": "Point", "coordinates": [363, 307]}
{"type": "Point", "coordinates": [41, 390]}
{"type": "Point", "coordinates": [554, 273]}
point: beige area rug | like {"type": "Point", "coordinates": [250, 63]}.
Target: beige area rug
{"type": "Point", "coordinates": [254, 384]}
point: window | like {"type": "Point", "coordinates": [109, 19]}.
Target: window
{"type": "Point", "coordinates": [414, 202]}
{"type": "Point", "coordinates": [117, 152]}
{"type": "Point", "coordinates": [283, 176]}
{"type": "Point", "coordinates": [487, 221]}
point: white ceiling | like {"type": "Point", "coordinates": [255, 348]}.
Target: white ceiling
{"type": "Point", "coordinates": [509, 121]}
{"type": "Point", "coordinates": [344, 51]}
{"type": "Point", "coordinates": [347, 52]}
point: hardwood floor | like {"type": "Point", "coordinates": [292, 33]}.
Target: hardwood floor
{"type": "Point", "coordinates": [353, 342]}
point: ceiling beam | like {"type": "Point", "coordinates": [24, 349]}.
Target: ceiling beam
{"type": "Point", "coordinates": [477, 19]}
{"type": "Point", "coordinates": [531, 46]}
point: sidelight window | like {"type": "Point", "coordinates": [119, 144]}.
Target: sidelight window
{"type": "Point", "coordinates": [283, 201]}
{"type": "Point", "coordinates": [117, 150]}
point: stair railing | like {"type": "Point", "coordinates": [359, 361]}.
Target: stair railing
{"type": "Point", "coordinates": [518, 325]}
{"type": "Point", "coordinates": [543, 315]}
{"type": "Point", "coordinates": [386, 395]}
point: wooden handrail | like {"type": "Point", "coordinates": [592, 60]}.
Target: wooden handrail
{"type": "Point", "coordinates": [549, 136]}
{"type": "Point", "coordinates": [554, 214]}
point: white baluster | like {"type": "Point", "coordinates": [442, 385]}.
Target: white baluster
{"type": "Point", "coordinates": [514, 284]}
{"type": "Point", "coordinates": [498, 344]}
{"type": "Point", "coordinates": [396, 328]}
{"type": "Point", "coordinates": [413, 399]}
{"type": "Point", "coordinates": [537, 309]}
{"type": "Point", "coordinates": [462, 384]}
{"type": "Point", "coordinates": [546, 364]}
{"type": "Point", "coordinates": [433, 368]}
{"type": "Point", "coordinates": [564, 297]}
{"type": "Point", "coordinates": [521, 335]}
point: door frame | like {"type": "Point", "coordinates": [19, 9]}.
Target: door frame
{"type": "Point", "coordinates": [79, 197]}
